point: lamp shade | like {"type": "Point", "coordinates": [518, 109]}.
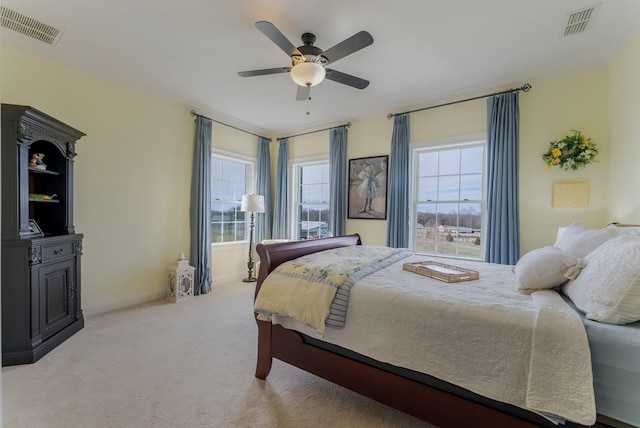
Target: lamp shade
{"type": "Point", "coordinates": [252, 203]}
{"type": "Point", "coordinates": [308, 73]}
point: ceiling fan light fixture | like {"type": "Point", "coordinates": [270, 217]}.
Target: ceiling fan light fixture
{"type": "Point", "coordinates": [308, 73]}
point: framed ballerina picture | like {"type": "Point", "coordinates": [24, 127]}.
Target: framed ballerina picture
{"type": "Point", "coordinates": [368, 188]}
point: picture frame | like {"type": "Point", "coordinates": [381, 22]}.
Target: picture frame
{"type": "Point", "coordinates": [367, 195]}
{"type": "Point", "coordinates": [34, 229]}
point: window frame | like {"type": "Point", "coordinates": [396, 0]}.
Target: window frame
{"type": "Point", "coordinates": [450, 143]}
{"type": "Point", "coordinates": [250, 184]}
{"type": "Point", "coordinates": [295, 166]}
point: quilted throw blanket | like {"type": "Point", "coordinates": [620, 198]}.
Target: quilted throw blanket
{"type": "Point", "coordinates": [314, 289]}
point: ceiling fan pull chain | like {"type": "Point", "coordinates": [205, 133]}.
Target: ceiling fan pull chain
{"type": "Point", "coordinates": [309, 100]}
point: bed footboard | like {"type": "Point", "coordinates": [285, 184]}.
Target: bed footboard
{"type": "Point", "coordinates": [271, 256]}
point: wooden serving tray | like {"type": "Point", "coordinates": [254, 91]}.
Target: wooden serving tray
{"type": "Point", "coordinates": [441, 271]}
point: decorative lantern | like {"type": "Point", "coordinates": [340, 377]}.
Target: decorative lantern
{"type": "Point", "coordinates": [180, 286]}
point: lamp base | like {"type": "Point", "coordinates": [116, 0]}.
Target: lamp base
{"type": "Point", "coordinates": [250, 279]}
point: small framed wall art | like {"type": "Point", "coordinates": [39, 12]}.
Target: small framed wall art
{"type": "Point", "coordinates": [571, 195]}
{"type": "Point", "coordinates": [368, 188]}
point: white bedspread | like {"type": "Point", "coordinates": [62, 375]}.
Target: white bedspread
{"type": "Point", "coordinates": [527, 350]}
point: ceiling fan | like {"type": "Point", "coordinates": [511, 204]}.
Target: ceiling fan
{"type": "Point", "coordinates": [308, 62]}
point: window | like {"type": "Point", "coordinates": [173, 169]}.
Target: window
{"type": "Point", "coordinates": [231, 177]}
{"type": "Point", "coordinates": [449, 200]}
{"type": "Point", "coordinates": [311, 199]}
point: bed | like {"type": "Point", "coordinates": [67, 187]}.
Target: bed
{"type": "Point", "coordinates": [402, 386]}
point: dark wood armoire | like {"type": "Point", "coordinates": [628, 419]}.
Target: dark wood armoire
{"type": "Point", "coordinates": [41, 250]}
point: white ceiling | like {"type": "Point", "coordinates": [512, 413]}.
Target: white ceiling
{"type": "Point", "coordinates": [425, 51]}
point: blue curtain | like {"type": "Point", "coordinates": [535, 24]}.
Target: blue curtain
{"type": "Point", "coordinates": [503, 226]}
{"type": "Point", "coordinates": [398, 188]}
{"type": "Point", "coordinates": [281, 205]}
{"type": "Point", "coordinates": [263, 187]}
{"type": "Point", "coordinates": [338, 180]}
{"type": "Point", "coordinates": [200, 212]}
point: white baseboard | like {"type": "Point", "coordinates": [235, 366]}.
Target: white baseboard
{"type": "Point", "coordinates": [150, 296]}
{"type": "Point", "coordinates": [228, 278]}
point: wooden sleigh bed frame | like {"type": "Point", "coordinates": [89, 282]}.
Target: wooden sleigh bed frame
{"type": "Point", "coordinates": [419, 395]}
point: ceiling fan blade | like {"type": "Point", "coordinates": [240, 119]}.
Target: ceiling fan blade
{"type": "Point", "coordinates": [347, 47]}
{"type": "Point", "coordinates": [346, 79]}
{"type": "Point", "coordinates": [264, 71]}
{"type": "Point", "coordinates": [270, 30]}
{"type": "Point", "coordinates": [303, 93]}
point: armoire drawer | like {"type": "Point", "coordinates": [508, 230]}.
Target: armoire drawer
{"type": "Point", "coordinates": [63, 249]}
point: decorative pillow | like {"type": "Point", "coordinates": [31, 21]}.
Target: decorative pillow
{"type": "Point", "coordinates": [608, 288]}
{"type": "Point", "coordinates": [545, 268]}
{"type": "Point", "coordinates": [580, 240]}
{"type": "Point", "coordinates": [567, 231]}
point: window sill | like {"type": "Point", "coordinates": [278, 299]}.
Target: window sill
{"type": "Point", "coordinates": [224, 246]}
{"type": "Point", "coordinates": [451, 257]}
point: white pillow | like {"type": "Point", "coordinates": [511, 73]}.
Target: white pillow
{"type": "Point", "coordinates": [608, 288]}
{"type": "Point", "coordinates": [545, 268]}
{"type": "Point", "coordinates": [572, 229]}
{"type": "Point", "coordinates": [580, 240]}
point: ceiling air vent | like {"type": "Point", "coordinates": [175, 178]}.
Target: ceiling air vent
{"type": "Point", "coordinates": [580, 20]}
{"type": "Point", "coordinates": [30, 27]}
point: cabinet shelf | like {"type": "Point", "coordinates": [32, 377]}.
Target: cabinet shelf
{"type": "Point", "coordinates": [42, 171]}
{"type": "Point", "coordinates": [46, 201]}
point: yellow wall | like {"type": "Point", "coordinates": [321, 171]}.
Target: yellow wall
{"type": "Point", "coordinates": [549, 112]}
{"type": "Point", "coordinates": [375, 136]}
{"type": "Point", "coordinates": [372, 137]}
{"type": "Point", "coordinates": [624, 186]}
{"type": "Point", "coordinates": [369, 138]}
{"type": "Point", "coordinates": [132, 177]}
{"type": "Point", "coordinates": [133, 169]}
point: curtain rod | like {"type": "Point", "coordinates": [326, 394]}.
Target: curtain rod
{"type": "Point", "coordinates": [523, 88]}
{"type": "Point", "coordinates": [346, 125]}
{"type": "Point", "coordinates": [193, 113]}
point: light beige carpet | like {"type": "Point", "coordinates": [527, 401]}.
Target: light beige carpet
{"type": "Point", "coordinates": [187, 364]}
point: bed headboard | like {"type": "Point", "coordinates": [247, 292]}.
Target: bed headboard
{"type": "Point", "coordinates": [273, 255]}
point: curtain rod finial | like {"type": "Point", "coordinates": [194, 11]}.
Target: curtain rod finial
{"type": "Point", "coordinates": [390, 115]}
{"type": "Point", "coordinates": [526, 87]}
